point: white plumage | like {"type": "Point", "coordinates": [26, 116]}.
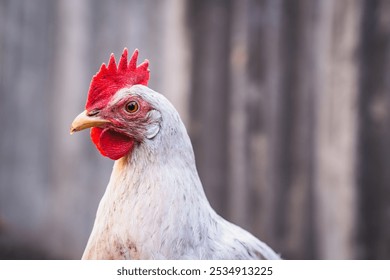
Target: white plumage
{"type": "Point", "coordinates": [155, 207]}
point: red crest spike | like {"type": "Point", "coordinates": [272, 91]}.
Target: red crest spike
{"type": "Point", "coordinates": [112, 63]}
{"type": "Point", "coordinates": [112, 78]}
{"type": "Point", "coordinates": [123, 62]}
{"type": "Point", "coordinates": [133, 60]}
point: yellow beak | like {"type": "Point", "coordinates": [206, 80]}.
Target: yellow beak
{"type": "Point", "coordinates": [84, 121]}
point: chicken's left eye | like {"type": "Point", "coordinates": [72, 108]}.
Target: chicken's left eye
{"type": "Point", "coordinates": [132, 107]}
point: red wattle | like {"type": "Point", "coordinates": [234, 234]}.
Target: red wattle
{"type": "Point", "coordinates": [110, 143]}
{"type": "Point", "coordinates": [95, 137]}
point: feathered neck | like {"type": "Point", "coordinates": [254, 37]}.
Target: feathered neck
{"type": "Point", "coordinates": [155, 200]}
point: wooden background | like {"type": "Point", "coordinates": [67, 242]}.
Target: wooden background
{"type": "Point", "coordinates": [287, 104]}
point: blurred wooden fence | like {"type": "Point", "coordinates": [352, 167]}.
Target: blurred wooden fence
{"type": "Point", "coordinates": [287, 104]}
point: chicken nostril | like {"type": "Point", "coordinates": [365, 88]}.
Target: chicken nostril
{"type": "Point", "coordinates": [93, 113]}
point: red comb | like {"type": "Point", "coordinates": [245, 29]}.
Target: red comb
{"type": "Point", "coordinates": [112, 78]}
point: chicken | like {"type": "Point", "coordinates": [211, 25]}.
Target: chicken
{"type": "Point", "coordinates": [154, 206]}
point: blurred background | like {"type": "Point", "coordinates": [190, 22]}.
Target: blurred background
{"type": "Point", "coordinates": [286, 102]}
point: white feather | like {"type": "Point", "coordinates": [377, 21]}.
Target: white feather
{"type": "Point", "coordinates": [155, 207]}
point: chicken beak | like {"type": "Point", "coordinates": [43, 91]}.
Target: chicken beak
{"type": "Point", "coordinates": [84, 121]}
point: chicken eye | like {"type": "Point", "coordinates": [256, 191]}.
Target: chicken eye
{"type": "Point", "coordinates": [132, 107]}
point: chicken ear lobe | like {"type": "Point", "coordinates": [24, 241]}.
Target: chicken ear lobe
{"type": "Point", "coordinates": [153, 128]}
